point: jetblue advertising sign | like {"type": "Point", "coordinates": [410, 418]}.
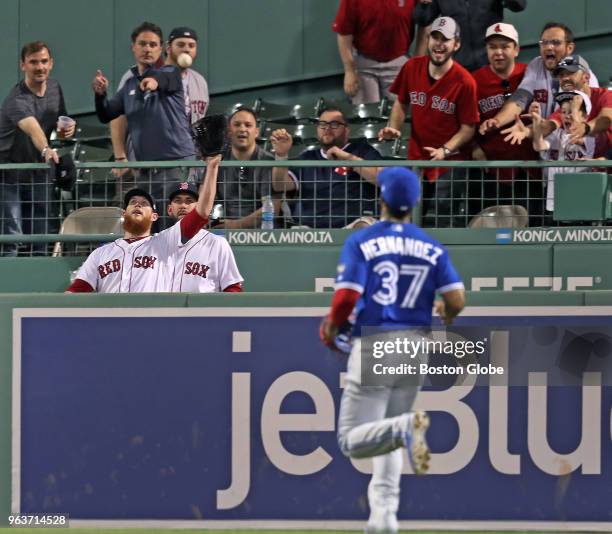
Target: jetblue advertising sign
{"type": "Point", "coordinates": [230, 414]}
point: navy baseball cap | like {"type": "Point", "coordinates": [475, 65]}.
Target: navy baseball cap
{"type": "Point", "coordinates": [569, 96]}
{"type": "Point", "coordinates": [572, 63]}
{"type": "Point", "coordinates": [136, 192]}
{"type": "Point", "coordinates": [182, 31]}
{"type": "Point", "coordinates": [184, 189]}
{"type": "Point", "coordinates": [400, 188]}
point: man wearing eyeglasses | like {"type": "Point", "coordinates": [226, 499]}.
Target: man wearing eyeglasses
{"type": "Point", "coordinates": [496, 82]}
{"type": "Point", "coordinates": [538, 85]}
{"type": "Point", "coordinates": [329, 197]}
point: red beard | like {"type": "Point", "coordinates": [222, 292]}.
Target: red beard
{"type": "Point", "coordinates": [137, 227]}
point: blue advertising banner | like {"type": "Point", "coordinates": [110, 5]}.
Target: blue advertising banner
{"type": "Point", "coordinates": [230, 414]}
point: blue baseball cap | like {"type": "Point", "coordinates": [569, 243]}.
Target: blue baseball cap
{"type": "Point", "coordinates": [400, 188]}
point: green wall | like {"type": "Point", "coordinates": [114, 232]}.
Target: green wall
{"type": "Point", "coordinates": [484, 264]}
{"type": "Point", "coordinates": [244, 44]}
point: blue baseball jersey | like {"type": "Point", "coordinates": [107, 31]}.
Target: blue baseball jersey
{"type": "Point", "coordinates": [398, 269]}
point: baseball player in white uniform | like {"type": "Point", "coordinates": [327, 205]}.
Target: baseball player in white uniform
{"type": "Point", "coordinates": [141, 262]}
{"type": "Point", "coordinates": [205, 263]}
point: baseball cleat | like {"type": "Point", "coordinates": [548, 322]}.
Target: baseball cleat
{"type": "Point", "coordinates": [418, 450]}
{"type": "Point", "coordinates": [382, 522]}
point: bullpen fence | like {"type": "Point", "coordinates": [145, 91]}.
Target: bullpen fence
{"type": "Point", "coordinates": [319, 194]}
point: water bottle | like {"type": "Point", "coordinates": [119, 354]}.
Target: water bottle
{"type": "Point", "coordinates": [267, 213]}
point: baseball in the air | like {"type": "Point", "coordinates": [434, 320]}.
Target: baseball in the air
{"type": "Point", "coordinates": [184, 60]}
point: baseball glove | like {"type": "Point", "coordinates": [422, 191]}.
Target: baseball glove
{"type": "Point", "coordinates": [210, 135]}
{"type": "Point", "coordinates": [336, 339]}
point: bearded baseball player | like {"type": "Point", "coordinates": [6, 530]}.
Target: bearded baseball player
{"type": "Point", "coordinates": [141, 262]}
{"type": "Point", "coordinates": [205, 263]}
{"type": "Point", "coordinates": [389, 274]}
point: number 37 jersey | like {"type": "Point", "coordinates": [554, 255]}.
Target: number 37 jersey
{"type": "Point", "coordinates": [398, 269]}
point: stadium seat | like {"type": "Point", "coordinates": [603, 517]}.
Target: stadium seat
{"type": "Point", "coordinates": [91, 221]}
{"type": "Point", "coordinates": [224, 108]}
{"type": "Point", "coordinates": [388, 149]}
{"type": "Point", "coordinates": [373, 113]}
{"type": "Point", "coordinates": [504, 216]}
{"type": "Point", "coordinates": [301, 133]}
{"type": "Point", "coordinates": [364, 131]}
{"type": "Point", "coordinates": [285, 113]}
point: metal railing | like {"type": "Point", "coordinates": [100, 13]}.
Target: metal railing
{"type": "Point", "coordinates": [33, 209]}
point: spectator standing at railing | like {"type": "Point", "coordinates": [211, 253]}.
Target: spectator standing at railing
{"type": "Point", "coordinates": [373, 41]}
{"type": "Point", "coordinates": [153, 102]}
{"type": "Point", "coordinates": [241, 189]}
{"type": "Point", "coordinates": [473, 18]}
{"type": "Point", "coordinates": [182, 40]}
{"type": "Point", "coordinates": [444, 116]}
{"type": "Point", "coordinates": [27, 118]}
{"type": "Point", "coordinates": [496, 82]}
{"type": "Point", "coordinates": [559, 145]}
{"type": "Point", "coordinates": [145, 56]}
{"type": "Point", "coordinates": [538, 84]}
{"type": "Point", "coordinates": [328, 197]}
{"type": "Point", "coordinates": [573, 74]}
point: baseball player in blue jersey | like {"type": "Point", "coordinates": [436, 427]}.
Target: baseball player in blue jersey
{"type": "Point", "coordinates": [389, 274]}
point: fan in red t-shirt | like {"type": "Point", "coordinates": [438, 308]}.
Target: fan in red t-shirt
{"type": "Point", "coordinates": [496, 82]}
{"type": "Point", "coordinates": [444, 114]}
{"type": "Point", "coordinates": [373, 40]}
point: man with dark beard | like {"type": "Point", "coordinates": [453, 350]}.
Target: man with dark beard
{"type": "Point", "coordinates": [328, 197]}
{"type": "Point", "coordinates": [444, 114]}
{"type": "Point", "coordinates": [206, 263]}
{"type": "Point", "coordinates": [140, 262]}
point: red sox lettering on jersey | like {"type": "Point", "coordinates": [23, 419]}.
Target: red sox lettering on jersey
{"type": "Point", "coordinates": [491, 103]}
{"type": "Point", "coordinates": [109, 267]}
{"type": "Point", "coordinates": [144, 262]}
{"type": "Point", "coordinates": [129, 266]}
{"type": "Point", "coordinates": [137, 265]}
{"type": "Point", "coordinates": [205, 264]}
{"type": "Point", "coordinates": [114, 266]}
{"type": "Point", "coordinates": [196, 269]}
{"type": "Point", "coordinates": [439, 108]}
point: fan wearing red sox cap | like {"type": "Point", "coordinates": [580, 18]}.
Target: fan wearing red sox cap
{"type": "Point", "coordinates": [442, 95]}
{"type": "Point", "coordinates": [496, 82]}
